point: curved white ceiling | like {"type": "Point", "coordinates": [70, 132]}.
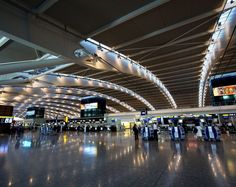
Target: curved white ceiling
{"type": "Point", "coordinates": [64, 80]}
{"type": "Point", "coordinates": [50, 101]}
{"type": "Point", "coordinates": [67, 107]}
{"type": "Point", "coordinates": [218, 43]}
{"type": "Point", "coordinates": [125, 65]}
{"type": "Point", "coordinates": [61, 93]}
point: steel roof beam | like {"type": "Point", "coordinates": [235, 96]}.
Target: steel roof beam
{"type": "Point", "coordinates": [177, 60]}
{"type": "Point", "coordinates": [169, 28]}
{"type": "Point", "coordinates": [129, 16]}
{"type": "Point", "coordinates": [169, 68]}
{"type": "Point", "coordinates": [12, 67]}
{"type": "Point", "coordinates": [36, 33]}
{"type": "Point", "coordinates": [172, 43]}
{"type": "Point", "coordinates": [177, 70]}
{"type": "Point", "coordinates": [174, 53]}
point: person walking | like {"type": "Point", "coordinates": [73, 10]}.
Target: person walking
{"type": "Point", "coordinates": [135, 130]}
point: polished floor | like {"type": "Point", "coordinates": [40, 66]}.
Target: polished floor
{"type": "Point", "coordinates": [106, 159]}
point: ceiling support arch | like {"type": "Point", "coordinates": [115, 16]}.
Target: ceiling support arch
{"type": "Point", "coordinates": [223, 36]}
{"type": "Point", "coordinates": [61, 93]}
{"type": "Point", "coordinates": [125, 65]}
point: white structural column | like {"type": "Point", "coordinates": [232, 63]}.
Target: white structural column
{"type": "Point", "coordinates": [12, 67]}
{"type": "Point", "coordinates": [125, 65]}
{"type": "Point", "coordinates": [3, 40]}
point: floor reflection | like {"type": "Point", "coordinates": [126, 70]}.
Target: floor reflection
{"type": "Point", "coordinates": [114, 159]}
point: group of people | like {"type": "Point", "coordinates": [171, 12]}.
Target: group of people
{"type": "Point", "coordinates": [145, 129]}
{"type": "Point", "coordinates": [201, 131]}
{"type": "Point", "coordinates": [207, 132]}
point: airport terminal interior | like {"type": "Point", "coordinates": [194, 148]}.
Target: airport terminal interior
{"type": "Point", "coordinates": [103, 93]}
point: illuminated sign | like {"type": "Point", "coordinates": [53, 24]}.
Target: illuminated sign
{"type": "Point", "coordinates": [66, 119]}
{"type": "Point", "coordinates": [8, 120]}
{"type": "Point", "coordinates": [30, 113]}
{"type": "Point", "coordinates": [144, 112]}
{"type": "Point", "coordinates": [89, 106]}
{"type": "Point", "coordinates": [6, 117]}
{"type": "Point", "coordinates": [224, 90]}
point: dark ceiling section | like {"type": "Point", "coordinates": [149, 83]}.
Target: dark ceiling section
{"type": "Point", "coordinates": [87, 15]}
{"type": "Point", "coordinates": [157, 19]}
{"type": "Point", "coordinates": [16, 52]}
{"type": "Point", "coordinates": [175, 56]}
{"type": "Point", "coordinates": [31, 4]}
{"type": "Point", "coordinates": [181, 38]}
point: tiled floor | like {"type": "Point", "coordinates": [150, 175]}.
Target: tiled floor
{"type": "Point", "coordinates": [105, 159]}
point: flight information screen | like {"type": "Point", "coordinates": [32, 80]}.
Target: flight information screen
{"type": "Point", "coordinates": [224, 90]}
{"type": "Point", "coordinates": [35, 112]}
{"type": "Point", "coordinates": [93, 107]}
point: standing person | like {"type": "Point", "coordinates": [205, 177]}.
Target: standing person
{"type": "Point", "coordinates": [135, 130]}
{"type": "Point", "coordinates": [155, 129]}
{"type": "Point", "coordinates": [199, 132]}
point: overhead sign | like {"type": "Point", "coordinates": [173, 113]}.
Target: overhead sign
{"type": "Point", "coordinates": [143, 112]}
{"type": "Point", "coordinates": [66, 119]}
{"type": "Point", "coordinates": [30, 113]}
{"type": "Point", "coordinates": [89, 106]}
{"type": "Point", "coordinates": [224, 90]}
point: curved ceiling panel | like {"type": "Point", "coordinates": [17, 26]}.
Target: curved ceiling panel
{"type": "Point", "coordinates": [125, 65]}
{"type": "Point", "coordinates": [72, 80]}
{"type": "Point", "coordinates": [62, 93]}
{"type": "Point", "coordinates": [223, 36]}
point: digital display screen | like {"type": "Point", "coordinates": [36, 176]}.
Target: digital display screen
{"type": "Point", "coordinates": [144, 112]}
{"type": "Point", "coordinates": [35, 112]}
{"type": "Point", "coordinates": [30, 113]}
{"type": "Point", "coordinates": [89, 106]}
{"type": "Point", "coordinates": [93, 107]}
{"type": "Point", "coordinates": [224, 90]}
